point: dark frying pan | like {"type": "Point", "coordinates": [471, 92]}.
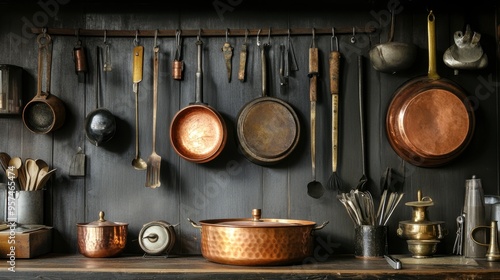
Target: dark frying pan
{"type": "Point", "coordinates": [268, 128]}
{"type": "Point", "coordinates": [45, 112]}
{"type": "Point", "coordinates": [430, 121]}
{"type": "Point", "coordinates": [198, 132]}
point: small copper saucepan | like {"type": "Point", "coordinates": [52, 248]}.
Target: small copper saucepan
{"type": "Point", "coordinates": [101, 238]}
{"type": "Point", "coordinates": [45, 112]}
{"type": "Point", "coordinates": [198, 132]}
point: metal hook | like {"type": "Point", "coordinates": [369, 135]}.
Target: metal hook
{"type": "Point", "coordinates": [313, 43]}
{"type": "Point", "coordinates": [178, 37]}
{"type": "Point", "coordinates": [227, 33]}
{"type": "Point", "coordinates": [353, 38]}
{"type": "Point", "coordinates": [105, 42]}
{"type": "Point", "coordinates": [258, 39]}
{"type": "Point", "coordinates": [336, 41]}
{"type": "Point", "coordinates": [77, 34]}
{"type": "Point", "coordinates": [155, 40]}
{"type": "Point", "coordinates": [246, 36]}
{"type": "Point", "coordinates": [199, 34]}
{"type": "Point", "coordinates": [136, 40]}
{"type": "Point", "coordinates": [178, 43]}
{"type": "Point", "coordinates": [269, 37]}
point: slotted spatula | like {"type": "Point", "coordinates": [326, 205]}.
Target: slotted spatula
{"type": "Point", "coordinates": [154, 160]}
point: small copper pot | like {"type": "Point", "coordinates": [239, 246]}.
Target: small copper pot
{"type": "Point", "coordinates": [101, 238]}
{"type": "Point", "coordinates": [255, 241]}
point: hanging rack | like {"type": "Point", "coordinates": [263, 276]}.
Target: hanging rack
{"type": "Point", "coordinates": [196, 32]}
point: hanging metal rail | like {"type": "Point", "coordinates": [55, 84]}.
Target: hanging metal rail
{"type": "Point", "coordinates": [202, 32]}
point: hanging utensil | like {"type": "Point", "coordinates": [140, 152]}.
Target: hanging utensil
{"type": "Point", "coordinates": [243, 58]}
{"type": "Point", "coordinates": [227, 50]}
{"type": "Point", "coordinates": [291, 59]}
{"type": "Point", "coordinates": [138, 61]}
{"type": "Point", "coordinates": [335, 183]}
{"type": "Point", "coordinates": [100, 124]}
{"type": "Point", "coordinates": [314, 189]}
{"type": "Point", "coordinates": [364, 179]}
{"type": "Point", "coordinates": [45, 112]}
{"type": "Point", "coordinates": [466, 53]}
{"type": "Point", "coordinates": [391, 57]}
{"type": "Point", "coordinates": [154, 160]}
{"type": "Point", "coordinates": [80, 58]}
{"type": "Point", "coordinates": [177, 64]}
{"type": "Point", "coordinates": [107, 55]}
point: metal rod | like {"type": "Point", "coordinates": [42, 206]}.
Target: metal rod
{"type": "Point", "coordinates": [196, 32]}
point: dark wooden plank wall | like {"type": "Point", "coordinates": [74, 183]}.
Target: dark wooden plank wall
{"type": "Point", "coordinates": [230, 185]}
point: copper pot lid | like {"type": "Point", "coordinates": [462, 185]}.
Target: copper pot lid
{"type": "Point", "coordinates": [102, 222]}
{"type": "Point", "coordinates": [257, 222]}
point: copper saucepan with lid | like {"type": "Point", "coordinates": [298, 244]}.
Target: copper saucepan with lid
{"type": "Point", "coordinates": [101, 238]}
{"type": "Point", "coordinates": [257, 241]}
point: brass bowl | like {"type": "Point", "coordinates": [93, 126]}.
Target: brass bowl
{"type": "Point", "coordinates": [421, 231]}
{"type": "Point", "coordinates": [101, 238]}
{"type": "Point", "coordinates": [422, 248]}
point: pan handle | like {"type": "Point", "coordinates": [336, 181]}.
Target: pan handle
{"type": "Point", "coordinates": [199, 74]}
{"type": "Point", "coordinates": [264, 68]}
{"type": "Point", "coordinates": [321, 226]}
{"type": "Point", "coordinates": [195, 225]}
{"type": "Point", "coordinates": [431, 38]}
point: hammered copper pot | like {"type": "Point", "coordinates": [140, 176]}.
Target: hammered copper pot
{"type": "Point", "coordinates": [255, 241]}
{"type": "Point", "coordinates": [101, 238]}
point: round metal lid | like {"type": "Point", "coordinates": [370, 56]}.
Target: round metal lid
{"type": "Point", "coordinates": [102, 222]}
{"type": "Point", "coordinates": [256, 221]}
{"type": "Point", "coordinates": [157, 237]}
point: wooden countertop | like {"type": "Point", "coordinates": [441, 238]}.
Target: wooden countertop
{"type": "Point", "coordinates": [57, 266]}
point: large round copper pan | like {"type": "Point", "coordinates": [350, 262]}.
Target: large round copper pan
{"type": "Point", "coordinates": [430, 120]}
{"type": "Point", "coordinates": [255, 241]}
{"type": "Point", "coordinates": [198, 132]}
{"type": "Point", "coordinates": [268, 128]}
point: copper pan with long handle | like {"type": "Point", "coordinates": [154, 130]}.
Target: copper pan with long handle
{"type": "Point", "coordinates": [430, 120]}
{"type": "Point", "coordinates": [198, 132]}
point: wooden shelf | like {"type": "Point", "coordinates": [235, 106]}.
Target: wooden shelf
{"type": "Point", "coordinates": [57, 266]}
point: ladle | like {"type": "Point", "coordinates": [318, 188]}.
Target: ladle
{"type": "Point", "coordinates": [314, 188]}
{"type": "Point", "coordinates": [138, 55]}
{"type": "Point", "coordinates": [391, 57]}
{"type": "Point", "coordinates": [100, 124]}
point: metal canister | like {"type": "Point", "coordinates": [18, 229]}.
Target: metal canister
{"type": "Point", "coordinates": [474, 214]}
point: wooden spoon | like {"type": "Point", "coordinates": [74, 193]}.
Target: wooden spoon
{"type": "Point", "coordinates": [32, 170]}
{"type": "Point", "coordinates": [44, 178]}
{"type": "Point", "coordinates": [42, 164]}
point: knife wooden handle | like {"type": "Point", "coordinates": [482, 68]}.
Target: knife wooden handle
{"type": "Point", "coordinates": [138, 64]}
{"type": "Point", "coordinates": [334, 63]}
{"type": "Point", "coordinates": [313, 61]}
